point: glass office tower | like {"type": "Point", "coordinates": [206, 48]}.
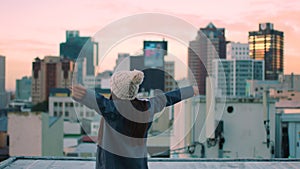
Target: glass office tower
{"type": "Point", "coordinates": [267, 44]}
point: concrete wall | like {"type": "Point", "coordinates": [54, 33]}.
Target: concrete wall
{"type": "Point", "coordinates": [52, 136]}
{"type": "Point", "coordinates": [71, 128]}
{"type": "Point", "coordinates": [181, 134]}
{"type": "Point", "coordinates": [244, 130]}
{"type": "Point", "coordinates": [25, 138]}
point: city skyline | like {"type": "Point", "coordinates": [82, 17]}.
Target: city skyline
{"type": "Point", "coordinates": [39, 32]}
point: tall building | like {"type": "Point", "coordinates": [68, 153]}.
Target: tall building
{"type": "Point", "coordinates": [267, 44]}
{"type": "Point", "coordinates": [3, 95]}
{"type": "Point", "coordinates": [154, 77]}
{"type": "Point", "coordinates": [209, 44]}
{"type": "Point", "coordinates": [236, 72]}
{"type": "Point", "coordinates": [51, 72]}
{"type": "Point", "coordinates": [151, 62]}
{"type": "Point", "coordinates": [170, 83]}
{"type": "Point", "coordinates": [23, 88]}
{"type": "Point", "coordinates": [76, 45]}
{"type": "Point", "coordinates": [237, 50]}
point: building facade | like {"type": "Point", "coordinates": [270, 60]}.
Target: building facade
{"type": "Point", "coordinates": [23, 88]}
{"type": "Point", "coordinates": [237, 50]}
{"type": "Point", "coordinates": [170, 83]}
{"type": "Point", "coordinates": [239, 121]}
{"type": "Point", "coordinates": [256, 88]}
{"type": "Point", "coordinates": [3, 94]}
{"type": "Point", "coordinates": [236, 72]}
{"type": "Point", "coordinates": [104, 78]}
{"type": "Point", "coordinates": [122, 62]}
{"type": "Point", "coordinates": [4, 145]}
{"type": "Point", "coordinates": [267, 44]}
{"type": "Point", "coordinates": [209, 44]}
{"type": "Point", "coordinates": [83, 51]}
{"type": "Point", "coordinates": [290, 82]}
{"type": "Point", "coordinates": [42, 134]}
{"type": "Point", "coordinates": [62, 105]}
{"type": "Point", "coordinates": [51, 72]}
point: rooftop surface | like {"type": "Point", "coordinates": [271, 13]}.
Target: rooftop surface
{"type": "Point", "coordinates": [80, 163]}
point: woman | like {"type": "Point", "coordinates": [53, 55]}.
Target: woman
{"type": "Point", "coordinates": [126, 119]}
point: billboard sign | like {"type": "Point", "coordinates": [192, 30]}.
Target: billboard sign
{"type": "Point", "coordinates": [154, 52]}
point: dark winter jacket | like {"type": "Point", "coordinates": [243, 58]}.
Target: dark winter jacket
{"type": "Point", "coordinates": [123, 132]}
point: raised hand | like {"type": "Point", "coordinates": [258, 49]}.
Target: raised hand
{"type": "Point", "coordinates": [78, 91]}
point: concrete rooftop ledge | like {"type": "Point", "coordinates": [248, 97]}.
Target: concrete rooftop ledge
{"type": "Point", "coordinates": [154, 163]}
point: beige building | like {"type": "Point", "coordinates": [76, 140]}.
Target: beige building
{"type": "Point", "coordinates": [35, 134]}
{"type": "Point", "coordinates": [50, 72]}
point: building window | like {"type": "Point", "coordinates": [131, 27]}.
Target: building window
{"type": "Point", "coordinates": [67, 114]}
{"type": "Point", "coordinates": [92, 114]}
{"type": "Point", "coordinates": [55, 104]}
{"type": "Point", "coordinates": [55, 113]}
{"type": "Point", "coordinates": [60, 104]}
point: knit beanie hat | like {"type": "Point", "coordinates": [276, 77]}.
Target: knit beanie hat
{"type": "Point", "coordinates": [125, 84]}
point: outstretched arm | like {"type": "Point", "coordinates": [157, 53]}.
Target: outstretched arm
{"type": "Point", "coordinates": [91, 99]}
{"type": "Point", "coordinates": [163, 100]}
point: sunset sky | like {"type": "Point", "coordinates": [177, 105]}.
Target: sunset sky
{"type": "Point", "coordinates": [34, 28]}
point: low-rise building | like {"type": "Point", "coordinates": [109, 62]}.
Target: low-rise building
{"type": "Point", "coordinates": [224, 128]}
{"type": "Point", "coordinates": [62, 104]}
{"type": "Point", "coordinates": [35, 134]}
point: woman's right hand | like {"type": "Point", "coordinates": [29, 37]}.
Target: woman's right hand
{"type": "Point", "coordinates": [196, 90]}
{"type": "Point", "coordinates": [78, 91]}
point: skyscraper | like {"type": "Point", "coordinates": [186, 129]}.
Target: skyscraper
{"type": "Point", "coordinates": [3, 96]}
{"type": "Point", "coordinates": [76, 45]}
{"type": "Point", "coordinates": [267, 44]}
{"type": "Point", "coordinates": [51, 72]}
{"type": "Point", "coordinates": [209, 44]}
{"type": "Point", "coordinates": [23, 88]}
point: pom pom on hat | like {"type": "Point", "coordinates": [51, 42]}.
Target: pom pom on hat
{"type": "Point", "coordinates": [125, 84]}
